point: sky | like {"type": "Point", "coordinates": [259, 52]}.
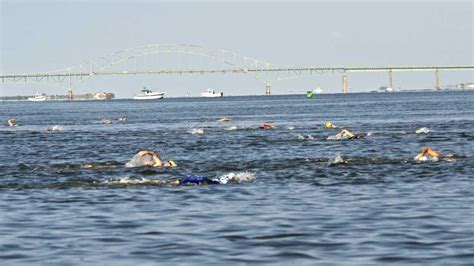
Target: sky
{"type": "Point", "coordinates": [41, 36]}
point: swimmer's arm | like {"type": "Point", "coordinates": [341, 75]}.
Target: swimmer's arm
{"type": "Point", "coordinates": [421, 154]}
{"type": "Point", "coordinates": [173, 182]}
{"type": "Point", "coordinates": [433, 153]}
{"type": "Point", "coordinates": [143, 153]}
{"type": "Point", "coordinates": [347, 133]}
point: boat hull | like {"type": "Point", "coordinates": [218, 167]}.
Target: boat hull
{"type": "Point", "coordinates": [37, 99]}
{"type": "Point", "coordinates": [149, 97]}
{"type": "Point", "coordinates": [210, 95]}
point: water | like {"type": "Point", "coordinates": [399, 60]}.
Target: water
{"type": "Point", "coordinates": [379, 207]}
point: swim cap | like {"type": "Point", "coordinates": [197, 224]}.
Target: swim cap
{"type": "Point", "coordinates": [328, 125]}
{"type": "Point", "coordinates": [172, 163]}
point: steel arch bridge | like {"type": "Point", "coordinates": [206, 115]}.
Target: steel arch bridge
{"type": "Point", "coordinates": [157, 59]}
{"type": "Point", "coordinates": [189, 59]}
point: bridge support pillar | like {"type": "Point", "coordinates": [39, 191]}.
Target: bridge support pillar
{"type": "Point", "coordinates": [268, 89]}
{"type": "Point", "coordinates": [344, 83]}
{"type": "Point", "coordinates": [70, 95]}
{"type": "Point", "coordinates": [390, 79]}
{"type": "Point", "coordinates": [437, 79]}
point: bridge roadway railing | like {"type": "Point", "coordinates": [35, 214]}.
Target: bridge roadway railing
{"type": "Point", "coordinates": [282, 72]}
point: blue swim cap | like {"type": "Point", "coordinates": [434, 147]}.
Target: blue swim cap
{"type": "Point", "coordinates": [197, 180]}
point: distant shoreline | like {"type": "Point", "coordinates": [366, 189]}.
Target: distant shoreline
{"type": "Point", "coordinates": [89, 97]}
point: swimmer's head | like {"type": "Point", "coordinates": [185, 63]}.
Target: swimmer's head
{"type": "Point", "coordinates": [328, 125]}
{"type": "Point", "coordinates": [223, 119]}
{"type": "Point", "coordinates": [11, 122]}
{"type": "Point", "coordinates": [170, 164]}
{"type": "Point", "coordinates": [267, 125]}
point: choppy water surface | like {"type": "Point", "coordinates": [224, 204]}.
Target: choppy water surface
{"type": "Point", "coordinates": [380, 207]}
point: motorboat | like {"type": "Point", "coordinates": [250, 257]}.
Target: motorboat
{"type": "Point", "coordinates": [211, 93]}
{"type": "Point", "coordinates": [38, 97]}
{"type": "Point", "coordinates": [149, 95]}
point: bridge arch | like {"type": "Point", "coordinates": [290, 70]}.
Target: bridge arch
{"type": "Point", "coordinates": [170, 59]}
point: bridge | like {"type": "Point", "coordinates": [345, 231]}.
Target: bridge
{"type": "Point", "coordinates": [187, 59]}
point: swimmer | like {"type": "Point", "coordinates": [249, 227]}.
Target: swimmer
{"type": "Point", "coordinates": [223, 119]}
{"type": "Point", "coordinates": [427, 154]}
{"type": "Point", "coordinates": [196, 180]}
{"type": "Point", "coordinates": [11, 122]}
{"type": "Point", "coordinates": [53, 128]}
{"type": "Point", "coordinates": [223, 179]}
{"type": "Point", "coordinates": [291, 127]}
{"type": "Point", "coordinates": [123, 119]}
{"type": "Point", "coordinates": [148, 158]}
{"type": "Point", "coordinates": [266, 125]}
{"type": "Point", "coordinates": [346, 134]}
{"type": "Point", "coordinates": [106, 121]}
{"type": "Point", "coordinates": [231, 128]}
{"type": "Point", "coordinates": [329, 125]}
{"type": "Point", "coordinates": [190, 180]}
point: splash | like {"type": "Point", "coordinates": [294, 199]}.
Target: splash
{"type": "Point", "coordinates": [231, 128]}
{"type": "Point", "coordinates": [238, 177]}
{"type": "Point", "coordinates": [197, 131]}
{"type": "Point", "coordinates": [426, 159]}
{"type": "Point", "coordinates": [337, 160]}
{"type": "Point", "coordinates": [133, 181]}
{"type": "Point", "coordinates": [308, 137]}
{"type": "Point", "coordinates": [423, 130]}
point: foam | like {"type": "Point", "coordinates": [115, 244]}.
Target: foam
{"type": "Point", "coordinates": [133, 181]}
{"type": "Point", "coordinates": [197, 131]}
{"type": "Point", "coordinates": [236, 177]}
{"type": "Point", "coordinates": [337, 160]}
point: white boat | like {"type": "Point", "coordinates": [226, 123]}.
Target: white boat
{"type": "Point", "coordinates": [149, 95]}
{"type": "Point", "coordinates": [211, 93]}
{"type": "Point", "coordinates": [38, 97]}
{"type": "Point", "coordinates": [318, 90]}
{"type": "Point", "coordinates": [386, 89]}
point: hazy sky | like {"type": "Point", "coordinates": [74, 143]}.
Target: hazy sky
{"type": "Point", "coordinates": [48, 35]}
